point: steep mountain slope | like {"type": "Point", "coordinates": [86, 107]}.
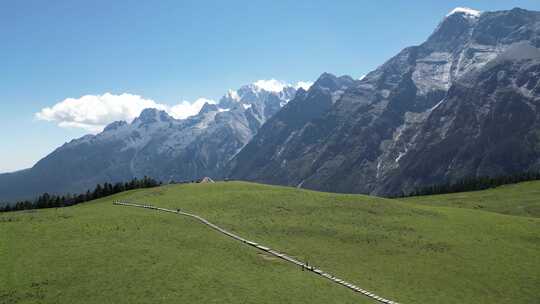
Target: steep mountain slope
{"type": "Point", "coordinates": [276, 136]}
{"type": "Point", "coordinates": [488, 124]}
{"type": "Point", "coordinates": [475, 77]}
{"type": "Point", "coordinates": [154, 144]}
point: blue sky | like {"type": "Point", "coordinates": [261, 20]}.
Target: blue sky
{"type": "Point", "coordinates": [171, 51]}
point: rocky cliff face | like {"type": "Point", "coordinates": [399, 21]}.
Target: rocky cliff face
{"type": "Point", "coordinates": [487, 124]}
{"type": "Point", "coordinates": [267, 157]}
{"type": "Point", "coordinates": [154, 144]}
{"type": "Point", "coordinates": [448, 108]}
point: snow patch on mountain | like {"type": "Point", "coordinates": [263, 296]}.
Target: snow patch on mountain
{"type": "Point", "coordinates": [436, 105]}
{"type": "Point", "coordinates": [469, 12]}
{"type": "Point", "coordinates": [232, 94]}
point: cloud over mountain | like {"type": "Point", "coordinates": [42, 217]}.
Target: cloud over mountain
{"type": "Point", "coordinates": [94, 112]}
{"type": "Point", "coordinates": [304, 85]}
{"type": "Point", "coordinates": [273, 85]}
{"type": "Point", "coordinates": [186, 108]}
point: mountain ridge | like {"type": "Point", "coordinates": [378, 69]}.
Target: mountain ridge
{"type": "Point", "coordinates": [364, 142]}
{"type": "Point", "coordinates": [154, 144]}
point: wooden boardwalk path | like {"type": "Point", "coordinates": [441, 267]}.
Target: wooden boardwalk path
{"type": "Point", "coordinates": [270, 251]}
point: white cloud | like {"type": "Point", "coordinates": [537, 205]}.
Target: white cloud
{"type": "Point", "coordinates": [94, 112]}
{"type": "Point", "coordinates": [303, 84]}
{"type": "Point", "coordinates": [186, 109]}
{"type": "Point", "coordinates": [271, 85]}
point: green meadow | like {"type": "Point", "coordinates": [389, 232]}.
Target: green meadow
{"type": "Point", "coordinates": [417, 250]}
{"type": "Point", "coordinates": [521, 199]}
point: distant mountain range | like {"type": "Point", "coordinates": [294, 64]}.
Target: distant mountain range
{"type": "Point", "coordinates": [154, 145]}
{"type": "Point", "coordinates": [463, 103]}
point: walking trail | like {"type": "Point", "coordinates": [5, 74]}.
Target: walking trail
{"type": "Point", "coordinates": [270, 251]}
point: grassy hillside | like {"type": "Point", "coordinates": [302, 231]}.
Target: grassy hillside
{"type": "Point", "coordinates": [97, 252]}
{"type": "Point", "coordinates": [521, 199]}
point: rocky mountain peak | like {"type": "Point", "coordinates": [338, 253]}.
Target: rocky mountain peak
{"type": "Point", "coordinates": [331, 82]}
{"type": "Point", "coordinates": [115, 125]}
{"type": "Point", "coordinates": [207, 108]}
{"type": "Point", "coordinates": [152, 115]}
{"type": "Point", "coordinates": [258, 92]}
{"type": "Point", "coordinates": [453, 29]}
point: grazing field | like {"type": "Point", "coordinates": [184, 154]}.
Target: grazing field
{"type": "Point", "coordinates": [96, 252]}
{"type": "Point", "coordinates": [521, 199]}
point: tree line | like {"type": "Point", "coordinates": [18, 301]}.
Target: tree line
{"type": "Point", "coordinates": [47, 200]}
{"type": "Point", "coordinates": [474, 184]}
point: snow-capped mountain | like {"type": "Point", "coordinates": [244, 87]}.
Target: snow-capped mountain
{"type": "Point", "coordinates": [154, 144]}
{"type": "Point", "coordinates": [263, 91]}
{"type": "Point", "coordinates": [463, 103]}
